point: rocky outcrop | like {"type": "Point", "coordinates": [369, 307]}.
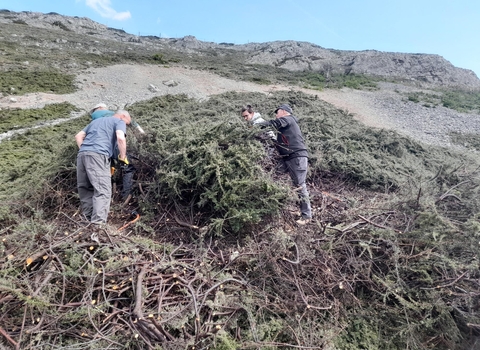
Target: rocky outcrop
{"type": "Point", "coordinates": [300, 56]}
{"type": "Point", "coordinates": [433, 69]}
{"type": "Point", "coordinates": [291, 55]}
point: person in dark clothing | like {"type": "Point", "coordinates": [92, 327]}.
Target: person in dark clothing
{"type": "Point", "coordinates": [291, 147]}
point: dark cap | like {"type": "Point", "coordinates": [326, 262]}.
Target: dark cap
{"type": "Point", "coordinates": [286, 107]}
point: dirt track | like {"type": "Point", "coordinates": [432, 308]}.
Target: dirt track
{"type": "Point", "coordinates": [122, 84]}
{"type": "Point", "coordinates": [386, 107]}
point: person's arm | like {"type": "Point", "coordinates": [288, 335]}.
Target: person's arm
{"type": "Point", "coordinates": [135, 125]}
{"type": "Point", "coordinates": [122, 144]}
{"type": "Point", "coordinates": [80, 137]}
{"type": "Point", "coordinates": [280, 122]}
{"type": "Point", "coordinates": [264, 123]}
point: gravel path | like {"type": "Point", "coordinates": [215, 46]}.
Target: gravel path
{"type": "Point", "coordinates": [122, 84]}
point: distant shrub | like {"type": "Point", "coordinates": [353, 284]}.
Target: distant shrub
{"type": "Point", "coordinates": [159, 58]}
{"type": "Point", "coordinates": [319, 80]}
{"type": "Point", "coordinates": [13, 119]}
{"type": "Point", "coordinates": [26, 81]}
{"type": "Point", "coordinates": [413, 98]}
{"type": "Point", "coordinates": [461, 101]}
{"type": "Point", "coordinates": [259, 80]}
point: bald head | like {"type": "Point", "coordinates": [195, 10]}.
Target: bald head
{"type": "Point", "coordinates": [123, 115]}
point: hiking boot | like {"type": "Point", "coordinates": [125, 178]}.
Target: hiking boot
{"type": "Point", "coordinates": [304, 221]}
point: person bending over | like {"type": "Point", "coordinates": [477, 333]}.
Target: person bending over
{"type": "Point", "coordinates": [97, 143]}
{"type": "Point", "coordinates": [291, 147]}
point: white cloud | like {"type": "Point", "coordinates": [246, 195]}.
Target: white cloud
{"type": "Point", "coordinates": [104, 8]}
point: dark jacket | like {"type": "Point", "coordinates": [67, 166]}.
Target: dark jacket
{"type": "Point", "coordinates": [290, 143]}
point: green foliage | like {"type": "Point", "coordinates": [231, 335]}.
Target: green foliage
{"type": "Point", "coordinates": [406, 278]}
{"type": "Point", "coordinates": [20, 82]}
{"type": "Point", "coordinates": [261, 80]}
{"type": "Point", "coordinates": [459, 100]}
{"type": "Point", "coordinates": [322, 80]}
{"type": "Point", "coordinates": [30, 158]}
{"type": "Point", "coordinates": [359, 334]}
{"type": "Point", "coordinates": [266, 74]}
{"type": "Point", "coordinates": [462, 101]}
{"type": "Point", "coordinates": [468, 140]}
{"type": "Point", "coordinates": [13, 119]}
{"type": "Point", "coordinates": [158, 57]}
{"type": "Point", "coordinates": [224, 341]}
{"type": "Point", "coordinates": [209, 160]}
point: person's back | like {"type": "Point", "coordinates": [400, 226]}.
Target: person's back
{"type": "Point", "coordinates": [100, 136]}
{"type": "Point", "coordinates": [96, 143]}
{"type": "Point", "coordinates": [100, 113]}
{"type": "Point", "coordinates": [290, 142]}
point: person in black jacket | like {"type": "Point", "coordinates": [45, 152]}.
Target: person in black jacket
{"type": "Point", "coordinates": [291, 146]}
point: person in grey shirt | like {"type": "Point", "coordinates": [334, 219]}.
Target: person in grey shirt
{"type": "Point", "coordinates": [100, 110]}
{"type": "Point", "coordinates": [97, 143]}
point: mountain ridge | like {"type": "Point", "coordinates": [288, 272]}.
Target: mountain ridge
{"type": "Point", "coordinates": [418, 68]}
{"type": "Point", "coordinates": [206, 253]}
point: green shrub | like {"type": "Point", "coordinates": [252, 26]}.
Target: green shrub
{"type": "Point", "coordinates": [14, 119]}
{"type": "Point", "coordinates": [20, 82]}
{"type": "Point", "coordinates": [30, 158]}
{"type": "Point", "coordinates": [459, 100]}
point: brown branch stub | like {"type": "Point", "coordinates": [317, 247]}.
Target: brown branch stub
{"type": "Point", "coordinates": [137, 311]}
{"type": "Point", "coordinates": [9, 338]}
{"type": "Point", "coordinates": [378, 225]}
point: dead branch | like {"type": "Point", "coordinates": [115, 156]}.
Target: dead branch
{"type": "Point", "coordinates": [446, 194]}
{"type": "Point", "coordinates": [378, 225]}
{"type": "Point", "coordinates": [9, 339]}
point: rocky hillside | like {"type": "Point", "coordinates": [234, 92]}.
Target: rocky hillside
{"type": "Point", "coordinates": [291, 55]}
{"type": "Point", "coordinates": [206, 253]}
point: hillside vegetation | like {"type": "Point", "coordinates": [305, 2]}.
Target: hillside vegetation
{"type": "Point", "coordinates": [207, 253]}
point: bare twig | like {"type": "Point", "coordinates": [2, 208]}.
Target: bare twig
{"type": "Point", "coordinates": [446, 194]}
{"type": "Point", "coordinates": [9, 338]}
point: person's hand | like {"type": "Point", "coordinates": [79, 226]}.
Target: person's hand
{"type": "Point", "coordinates": [139, 128]}
{"type": "Point", "coordinates": [124, 160]}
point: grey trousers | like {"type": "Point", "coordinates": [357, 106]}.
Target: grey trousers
{"type": "Point", "coordinates": [297, 169]}
{"type": "Point", "coordinates": [94, 185]}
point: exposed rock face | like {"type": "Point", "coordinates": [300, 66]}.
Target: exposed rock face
{"type": "Point", "coordinates": [291, 55]}
{"type": "Point", "coordinates": [51, 20]}
{"type": "Point", "coordinates": [298, 56]}
{"type": "Point", "coordinates": [421, 67]}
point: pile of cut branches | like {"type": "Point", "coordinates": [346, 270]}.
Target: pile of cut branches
{"type": "Point", "coordinates": [207, 253]}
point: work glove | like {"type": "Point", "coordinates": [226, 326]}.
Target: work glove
{"type": "Point", "coordinates": [139, 128]}
{"type": "Point", "coordinates": [124, 160]}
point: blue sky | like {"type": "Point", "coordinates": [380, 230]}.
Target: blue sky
{"type": "Point", "coordinates": [449, 28]}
